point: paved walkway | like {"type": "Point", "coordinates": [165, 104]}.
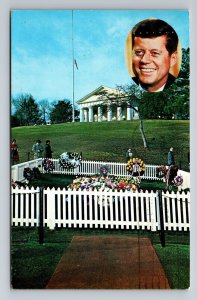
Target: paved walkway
{"type": "Point", "coordinates": [109, 262]}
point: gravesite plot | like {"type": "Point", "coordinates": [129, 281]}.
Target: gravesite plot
{"type": "Point", "coordinates": [100, 149]}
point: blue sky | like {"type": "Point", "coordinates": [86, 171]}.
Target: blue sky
{"type": "Point", "coordinates": [41, 49]}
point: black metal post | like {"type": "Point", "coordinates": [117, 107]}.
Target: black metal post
{"type": "Point", "coordinates": [41, 217]}
{"type": "Point", "coordinates": [162, 232]}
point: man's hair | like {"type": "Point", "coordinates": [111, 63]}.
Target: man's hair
{"type": "Point", "coordinates": [152, 28]}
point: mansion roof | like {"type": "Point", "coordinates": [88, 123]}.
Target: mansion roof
{"type": "Point", "coordinates": [100, 95]}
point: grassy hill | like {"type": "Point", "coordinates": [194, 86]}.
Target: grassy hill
{"type": "Point", "coordinates": [108, 141]}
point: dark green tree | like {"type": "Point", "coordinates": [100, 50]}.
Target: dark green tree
{"type": "Point", "coordinates": [14, 121]}
{"type": "Point", "coordinates": [61, 112]}
{"type": "Point", "coordinates": [26, 110]}
{"type": "Point", "coordinates": [178, 95]}
{"type": "Point", "coordinates": [153, 106]}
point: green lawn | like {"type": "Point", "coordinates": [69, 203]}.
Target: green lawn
{"type": "Point", "coordinates": [62, 181]}
{"type": "Point", "coordinates": [175, 260]}
{"type": "Point", "coordinates": [33, 264]}
{"type": "Point", "coordinates": [108, 141]}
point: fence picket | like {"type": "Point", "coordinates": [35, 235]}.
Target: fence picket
{"type": "Point", "coordinates": [132, 213]}
{"type": "Point", "coordinates": [127, 210]}
{"type": "Point", "coordinates": [90, 210]}
{"type": "Point", "coordinates": [185, 211]}
{"type": "Point", "coordinates": [80, 212]}
{"type": "Point", "coordinates": [116, 208]}
{"type": "Point", "coordinates": [173, 212]}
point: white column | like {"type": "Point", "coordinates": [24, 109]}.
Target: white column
{"type": "Point", "coordinates": [81, 115]}
{"type": "Point", "coordinates": [129, 113]}
{"type": "Point", "coordinates": [135, 114]}
{"type": "Point", "coordinates": [100, 114]}
{"type": "Point", "coordinates": [119, 113]}
{"type": "Point", "coordinates": [85, 115]}
{"type": "Point", "coordinates": [91, 116]}
{"type": "Point", "coordinates": [109, 113]}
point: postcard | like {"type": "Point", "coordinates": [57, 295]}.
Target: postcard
{"type": "Point", "coordinates": [100, 149]}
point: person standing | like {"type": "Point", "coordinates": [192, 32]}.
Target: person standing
{"type": "Point", "coordinates": [171, 161]}
{"type": "Point", "coordinates": [48, 151]}
{"type": "Point", "coordinates": [129, 154]}
{"type": "Point", "coordinates": [14, 152]}
{"type": "Point", "coordinates": [38, 149]}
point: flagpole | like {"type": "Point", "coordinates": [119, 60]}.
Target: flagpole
{"type": "Point", "coordinates": [73, 70]}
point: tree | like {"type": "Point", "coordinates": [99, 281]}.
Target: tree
{"type": "Point", "coordinates": [135, 99]}
{"type": "Point", "coordinates": [15, 121]}
{"type": "Point", "coordinates": [62, 112]}
{"type": "Point", "coordinates": [131, 95]}
{"type": "Point", "coordinates": [153, 106]}
{"type": "Point", "coordinates": [44, 107]}
{"type": "Point", "coordinates": [177, 96]}
{"type": "Point", "coordinates": [26, 110]}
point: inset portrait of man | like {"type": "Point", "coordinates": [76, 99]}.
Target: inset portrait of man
{"type": "Point", "coordinates": [153, 55]}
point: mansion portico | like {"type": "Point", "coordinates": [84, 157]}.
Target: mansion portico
{"type": "Point", "coordinates": [105, 104]}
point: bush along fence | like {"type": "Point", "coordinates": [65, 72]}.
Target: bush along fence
{"type": "Point", "coordinates": [100, 209]}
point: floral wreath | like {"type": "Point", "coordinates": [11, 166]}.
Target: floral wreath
{"type": "Point", "coordinates": [48, 165]}
{"type": "Point", "coordinates": [178, 180]}
{"type": "Point", "coordinates": [28, 173]}
{"type": "Point", "coordinates": [161, 171]}
{"type": "Point", "coordinates": [104, 170]}
{"type": "Point", "coordinates": [136, 166]}
{"type": "Point", "coordinates": [70, 160]}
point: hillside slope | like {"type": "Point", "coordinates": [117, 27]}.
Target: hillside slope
{"type": "Point", "coordinates": [108, 141]}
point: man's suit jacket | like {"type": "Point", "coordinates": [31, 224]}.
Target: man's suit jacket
{"type": "Point", "coordinates": [169, 81]}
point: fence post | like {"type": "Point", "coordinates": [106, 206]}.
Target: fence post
{"type": "Point", "coordinates": [50, 208]}
{"type": "Point", "coordinates": [28, 156]}
{"type": "Point", "coordinates": [153, 212]}
{"type": "Point", "coordinates": [41, 217]}
{"type": "Point", "coordinates": [161, 219]}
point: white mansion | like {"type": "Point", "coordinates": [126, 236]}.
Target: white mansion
{"type": "Point", "coordinates": [105, 104]}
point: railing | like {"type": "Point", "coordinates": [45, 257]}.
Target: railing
{"type": "Point", "coordinates": [17, 170]}
{"type": "Point", "coordinates": [92, 167]}
{"type": "Point", "coordinates": [85, 168]}
{"type": "Point", "coordinates": [100, 209]}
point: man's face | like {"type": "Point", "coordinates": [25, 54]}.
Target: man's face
{"type": "Point", "coordinates": [152, 62]}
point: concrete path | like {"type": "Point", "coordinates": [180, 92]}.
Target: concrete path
{"type": "Point", "coordinates": [109, 262]}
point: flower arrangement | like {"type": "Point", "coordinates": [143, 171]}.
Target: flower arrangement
{"type": "Point", "coordinates": [178, 180]}
{"type": "Point", "coordinates": [48, 165]}
{"type": "Point", "coordinates": [69, 160]}
{"type": "Point", "coordinates": [104, 170]}
{"type": "Point", "coordinates": [105, 183]}
{"type": "Point", "coordinates": [161, 171]}
{"type": "Point", "coordinates": [28, 174]}
{"type": "Point", "coordinates": [136, 166]}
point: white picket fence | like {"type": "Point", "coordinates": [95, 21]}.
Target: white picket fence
{"type": "Point", "coordinates": [86, 168]}
{"type": "Point", "coordinates": [98, 209]}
